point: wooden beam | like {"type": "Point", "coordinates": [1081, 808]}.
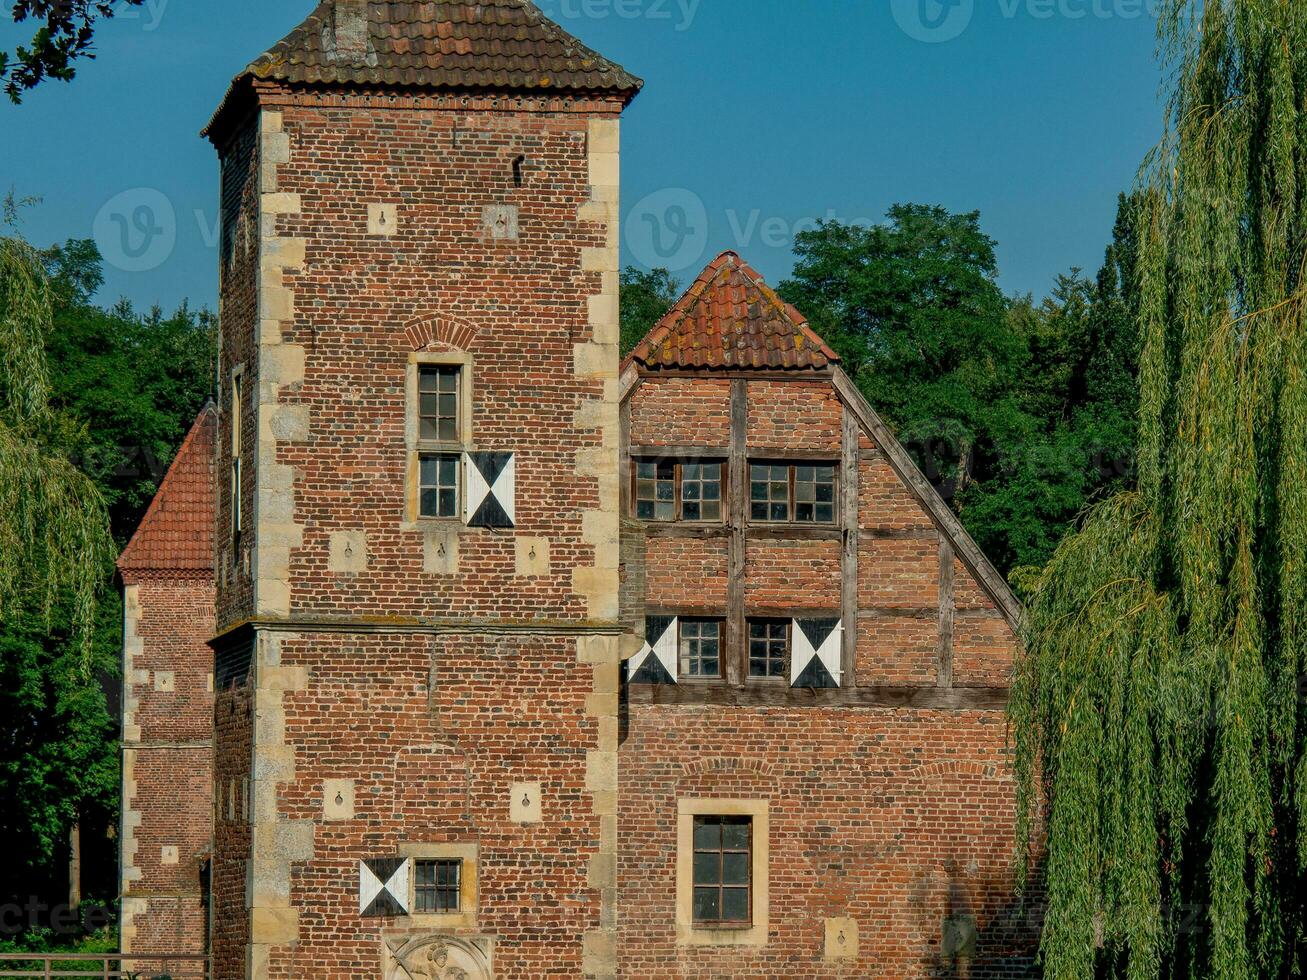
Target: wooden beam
{"type": "Point", "coordinates": [850, 523]}
{"type": "Point", "coordinates": [738, 490]}
{"type": "Point", "coordinates": [967, 551]}
{"type": "Point", "coordinates": [945, 665]}
{"type": "Point", "coordinates": [774, 695]}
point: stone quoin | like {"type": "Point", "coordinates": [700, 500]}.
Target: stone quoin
{"type": "Point", "coordinates": [456, 646]}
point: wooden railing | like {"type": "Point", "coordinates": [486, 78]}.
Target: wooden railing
{"type": "Point", "coordinates": [126, 966]}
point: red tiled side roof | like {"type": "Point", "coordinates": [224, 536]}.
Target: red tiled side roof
{"type": "Point", "coordinates": [494, 45]}
{"type": "Point", "coordinates": [176, 533]}
{"type": "Point", "coordinates": [730, 318]}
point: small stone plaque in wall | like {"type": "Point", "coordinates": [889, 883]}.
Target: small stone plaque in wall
{"type": "Point", "coordinates": [383, 220]}
{"type": "Point", "coordinates": [524, 803]}
{"type": "Point", "coordinates": [165, 681]}
{"type": "Point", "coordinates": [169, 855]}
{"type": "Point", "coordinates": [349, 552]}
{"type": "Point", "coordinates": [338, 799]}
{"type": "Point", "coordinates": [533, 557]}
{"type": "Point", "coordinates": [841, 939]}
{"type": "Point", "coordinates": [500, 222]}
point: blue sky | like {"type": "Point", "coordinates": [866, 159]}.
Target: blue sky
{"type": "Point", "coordinates": [758, 117]}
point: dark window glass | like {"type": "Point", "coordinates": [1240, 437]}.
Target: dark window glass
{"type": "Point", "coordinates": [769, 647]}
{"type": "Point", "coordinates": [701, 491]}
{"type": "Point", "coordinates": [436, 886]}
{"type": "Point", "coordinates": [803, 493]}
{"type": "Point", "coordinates": [769, 493]}
{"type": "Point", "coordinates": [655, 491]}
{"type": "Point", "coordinates": [438, 485]}
{"type": "Point", "coordinates": [723, 865]}
{"type": "Point", "coordinates": [701, 641]}
{"type": "Point", "coordinates": [814, 494]}
{"type": "Point", "coordinates": [438, 404]}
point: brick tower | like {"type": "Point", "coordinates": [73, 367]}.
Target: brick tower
{"type": "Point", "coordinates": [417, 642]}
{"type": "Point", "coordinates": [167, 735]}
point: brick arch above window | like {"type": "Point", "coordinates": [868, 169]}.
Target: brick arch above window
{"type": "Point", "coordinates": [440, 329]}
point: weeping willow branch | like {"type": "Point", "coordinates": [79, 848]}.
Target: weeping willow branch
{"type": "Point", "coordinates": [54, 537]}
{"type": "Point", "coordinates": [1156, 717]}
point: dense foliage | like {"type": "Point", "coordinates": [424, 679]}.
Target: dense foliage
{"type": "Point", "coordinates": [122, 391]}
{"type": "Point", "coordinates": [1020, 413]}
{"type": "Point", "coordinates": [1158, 715]}
{"type": "Point", "coordinates": [65, 33]}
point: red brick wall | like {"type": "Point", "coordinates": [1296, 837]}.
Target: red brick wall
{"type": "Point", "coordinates": [682, 412]}
{"type": "Point", "coordinates": [238, 296]}
{"type": "Point", "coordinates": [686, 572]}
{"type": "Point", "coordinates": [234, 724]}
{"type": "Point", "coordinates": [168, 794]}
{"type": "Point", "coordinates": [795, 415]}
{"type": "Point", "coordinates": [526, 300]}
{"type": "Point", "coordinates": [792, 574]}
{"type": "Point", "coordinates": [435, 731]}
{"type": "Point", "coordinates": [898, 819]}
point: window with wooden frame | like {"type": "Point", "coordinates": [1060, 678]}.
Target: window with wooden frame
{"type": "Point", "coordinates": [671, 490]}
{"type": "Point", "coordinates": [440, 426]}
{"type": "Point", "coordinates": [437, 886]}
{"type": "Point", "coordinates": [769, 649]}
{"type": "Point", "coordinates": [793, 493]}
{"type": "Point", "coordinates": [700, 645]}
{"type": "Point", "coordinates": [723, 864]}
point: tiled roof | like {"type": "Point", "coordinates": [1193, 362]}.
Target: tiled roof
{"type": "Point", "coordinates": [176, 533]}
{"type": "Point", "coordinates": [730, 318]}
{"type": "Point", "coordinates": [495, 45]}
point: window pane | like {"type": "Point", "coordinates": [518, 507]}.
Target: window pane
{"type": "Point", "coordinates": [707, 835]}
{"type": "Point", "coordinates": [708, 869]}
{"type": "Point", "coordinates": [735, 905]}
{"type": "Point", "coordinates": [699, 647]}
{"type": "Point", "coordinates": [655, 491]}
{"type": "Point", "coordinates": [735, 869]}
{"type": "Point", "coordinates": [707, 906]}
{"type": "Point", "coordinates": [814, 494]}
{"type": "Point", "coordinates": [735, 834]}
{"type": "Point", "coordinates": [438, 403]}
{"type": "Point", "coordinates": [438, 479]}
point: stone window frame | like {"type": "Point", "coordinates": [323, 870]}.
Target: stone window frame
{"type": "Point", "coordinates": [415, 447]}
{"type": "Point", "coordinates": [687, 932]}
{"type": "Point", "coordinates": [469, 884]}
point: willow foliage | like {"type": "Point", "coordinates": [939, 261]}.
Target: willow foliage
{"type": "Point", "coordinates": [1157, 716]}
{"type": "Point", "coordinates": [54, 538]}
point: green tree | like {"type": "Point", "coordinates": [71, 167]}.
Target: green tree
{"type": "Point", "coordinates": [54, 535]}
{"type": "Point", "coordinates": [65, 34]}
{"type": "Point", "coordinates": [125, 392]}
{"type": "Point", "coordinates": [1158, 722]}
{"type": "Point", "coordinates": [646, 296]}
